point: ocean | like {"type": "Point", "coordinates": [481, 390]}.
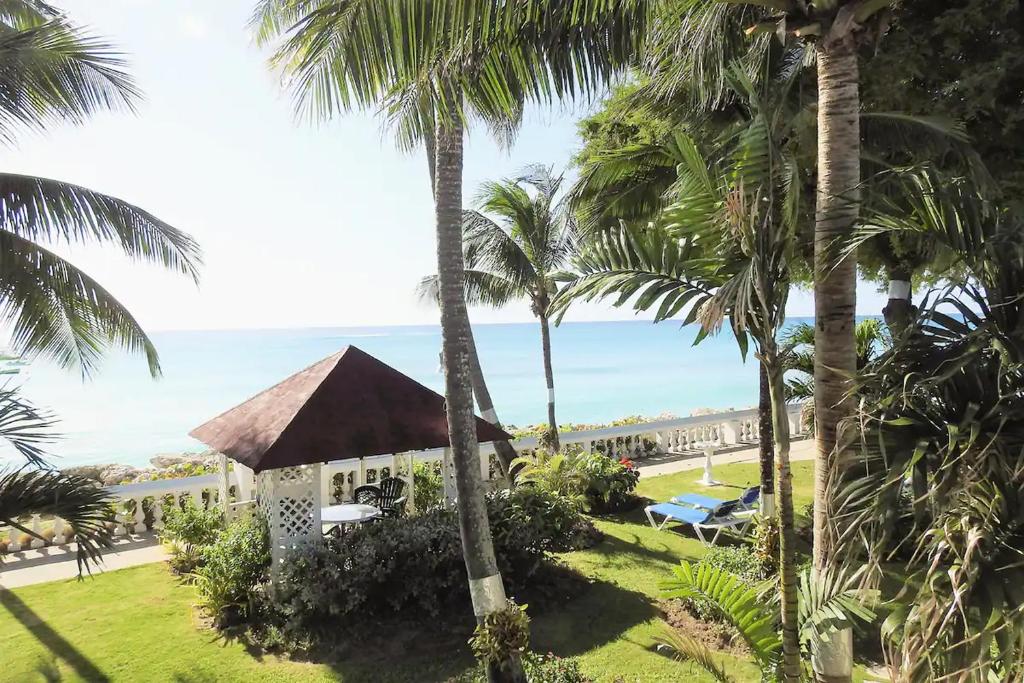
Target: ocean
{"type": "Point", "coordinates": [603, 371]}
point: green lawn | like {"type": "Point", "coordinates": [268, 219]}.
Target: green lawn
{"type": "Point", "coordinates": [139, 625]}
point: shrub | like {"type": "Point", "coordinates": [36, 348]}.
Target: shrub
{"type": "Point", "coordinates": [539, 668]}
{"type": "Point", "coordinates": [428, 486]}
{"type": "Point", "coordinates": [559, 474]}
{"type": "Point", "coordinates": [233, 566]}
{"type": "Point", "coordinates": [610, 484]}
{"type": "Point", "coordinates": [412, 567]}
{"type": "Point", "coordinates": [188, 529]}
{"type": "Point", "coordinates": [531, 517]}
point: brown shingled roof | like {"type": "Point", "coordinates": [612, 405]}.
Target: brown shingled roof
{"type": "Point", "coordinates": [349, 405]}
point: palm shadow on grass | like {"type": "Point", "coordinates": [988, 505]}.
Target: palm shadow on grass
{"type": "Point", "coordinates": [54, 642]}
{"type": "Point", "coordinates": [600, 615]}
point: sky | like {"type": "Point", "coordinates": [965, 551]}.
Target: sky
{"type": "Point", "coordinates": [301, 225]}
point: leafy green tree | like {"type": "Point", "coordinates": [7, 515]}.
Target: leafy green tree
{"type": "Point", "coordinates": [519, 256]}
{"type": "Point", "coordinates": [55, 72]}
{"type": "Point", "coordinates": [723, 247]}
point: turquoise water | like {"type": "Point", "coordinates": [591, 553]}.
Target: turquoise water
{"type": "Point", "coordinates": [602, 371]}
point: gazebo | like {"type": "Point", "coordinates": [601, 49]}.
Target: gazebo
{"type": "Point", "coordinates": [348, 405]}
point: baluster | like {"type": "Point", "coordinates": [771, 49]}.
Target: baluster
{"type": "Point", "coordinates": [37, 528]}
{"type": "Point", "coordinates": [158, 512]}
{"type": "Point", "coordinates": [12, 541]}
{"type": "Point", "coordinates": [58, 531]}
{"type": "Point", "coordinates": [139, 522]}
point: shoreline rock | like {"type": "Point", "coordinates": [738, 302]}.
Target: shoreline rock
{"type": "Point", "coordinates": [163, 466]}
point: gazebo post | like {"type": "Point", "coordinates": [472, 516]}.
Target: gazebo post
{"type": "Point", "coordinates": [410, 502]}
{"type": "Point", "coordinates": [222, 487]}
{"type": "Point", "coordinates": [289, 499]}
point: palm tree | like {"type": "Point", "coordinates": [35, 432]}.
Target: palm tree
{"type": "Point", "coordinates": [432, 63]}
{"type": "Point", "coordinates": [503, 450]}
{"type": "Point", "coordinates": [55, 71]}
{"type": "Point", "coordinates": [519, 258]}
{"type": "Point", "coordinates": [798, 349]}
{"type": "Point", "coordinates": [724, 246]}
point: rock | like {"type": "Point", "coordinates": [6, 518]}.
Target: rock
{"type": "Point", "coordinates": [168, 460]}
{"type": "Point", "coordinates": [112, 475]}
{"type": "Point", "coordinates": [88, 471]}
{"type": "Point", "coordinates": [699, 412]}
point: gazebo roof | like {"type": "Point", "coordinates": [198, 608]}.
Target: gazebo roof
{"type": "Point", "coordinates": [349, 405]}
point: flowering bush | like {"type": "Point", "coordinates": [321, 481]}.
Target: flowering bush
{"type": "Point", "coordinates": [610, 484]}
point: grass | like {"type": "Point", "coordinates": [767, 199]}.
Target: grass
{"type": "Point", "coordinates": [139, 624]}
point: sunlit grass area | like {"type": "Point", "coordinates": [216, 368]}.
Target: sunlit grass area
{"type": "Point", "coordinates": [140, 624]}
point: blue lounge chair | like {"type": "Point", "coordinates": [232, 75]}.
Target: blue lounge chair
{"type": "Point", "coordinates": [720, 518]}
{"type": "Point", "coordinates": [747, 501]}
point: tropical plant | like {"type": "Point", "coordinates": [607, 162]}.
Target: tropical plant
{"type": "Point", "coordinates": [798, 344]}
{"type": "Point", "coordinates": [828, 602]}
{"type": "Point", "coordinates": [723, 247]}
{"type": "Point", "coordinates": [431, 64]}
{"type": "Point", "coordinates": [188, 529]}
{"type": "Point", "coordinates": [557, 473]}
{"type": "Point", "coordinates": [945, 406]}
{"type": "Point", "coordinates": [517, 256]}
{"type": "Point", "coordinates": [610, 482]}
{"type": "Point", "coordinates": [234, 564]}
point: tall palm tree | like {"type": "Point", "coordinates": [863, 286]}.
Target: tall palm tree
{"type": "Point", "coordinates": [724, 246]}
{"type": "Point", "coordinates": [431, 63]}
{"type": "Point", "coordinates": [56, 72]}
{"type": "Point", "coordinates": [519, 257]}
{"type": "Point", "coordinates": [503, 450]}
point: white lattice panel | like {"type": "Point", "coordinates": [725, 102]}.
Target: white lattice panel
{"type": "Point", "coordinates": [289, 498]}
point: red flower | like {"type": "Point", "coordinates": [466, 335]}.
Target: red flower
{"type": "Point", "coordinates": [627, 463]}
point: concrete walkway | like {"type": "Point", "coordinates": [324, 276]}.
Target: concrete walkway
{"type": "Point", "coordinates": [56, 564]}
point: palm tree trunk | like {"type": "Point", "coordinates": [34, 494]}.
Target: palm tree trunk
{"type": "Point", "coordinates": [835, 293]}
{"type": "Point", "coordinates": [503, 449]}
{"type": "Point", "coordinates": [899, 310]}
{"type": "Point", "coordinates": [549, 376]}
{"type": "Point", "coordinates": [767, 452]}
{"type": "Point", "coordinates": [486, 588]}
{"type": "Point", "coordinates": [787, 529]}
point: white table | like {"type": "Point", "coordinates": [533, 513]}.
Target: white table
{"type": "Point", "coordinates": [338, 516]}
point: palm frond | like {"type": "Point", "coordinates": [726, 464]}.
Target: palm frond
{"type": "Point", "coordinates": [41, 209]}
{"type": "Point", "coordinates": [645, 262]}
{"type": "Point", "coordinates": [60, 312]}
{"type": "Point", "coordinates": [738, 603]}
{"type": "Point", "coordinates": [53, 71]}
{"type": "Point", "coordinates": [22, 14]}
{"type": "Point", "coordinates": [26, 428]}
{"type": "Point", "coordinates": [684, 648]}
{"type": "Point", "coordinates": [86, 507]}
{"type": "Point", "coordinates": [831, 601]}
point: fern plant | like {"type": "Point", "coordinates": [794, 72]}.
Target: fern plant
{"type": "Point", "coordinates": [828, 602]}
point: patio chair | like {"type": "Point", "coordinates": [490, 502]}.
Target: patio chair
{"type": "Point", "coordinates": [367, 495]}
{"type": "Point", "coordinates": [748, 500]}
{"type": "Point", "coordinates": [392, 502]}
{"type": "Point", "coordinates": [720, 518]}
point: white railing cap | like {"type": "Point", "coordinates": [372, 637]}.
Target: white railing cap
{"type": "Point", "coordinates": [148, 488]}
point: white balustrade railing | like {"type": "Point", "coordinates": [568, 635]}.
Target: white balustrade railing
{"type": "Point", "coordinates": [141, 507]}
